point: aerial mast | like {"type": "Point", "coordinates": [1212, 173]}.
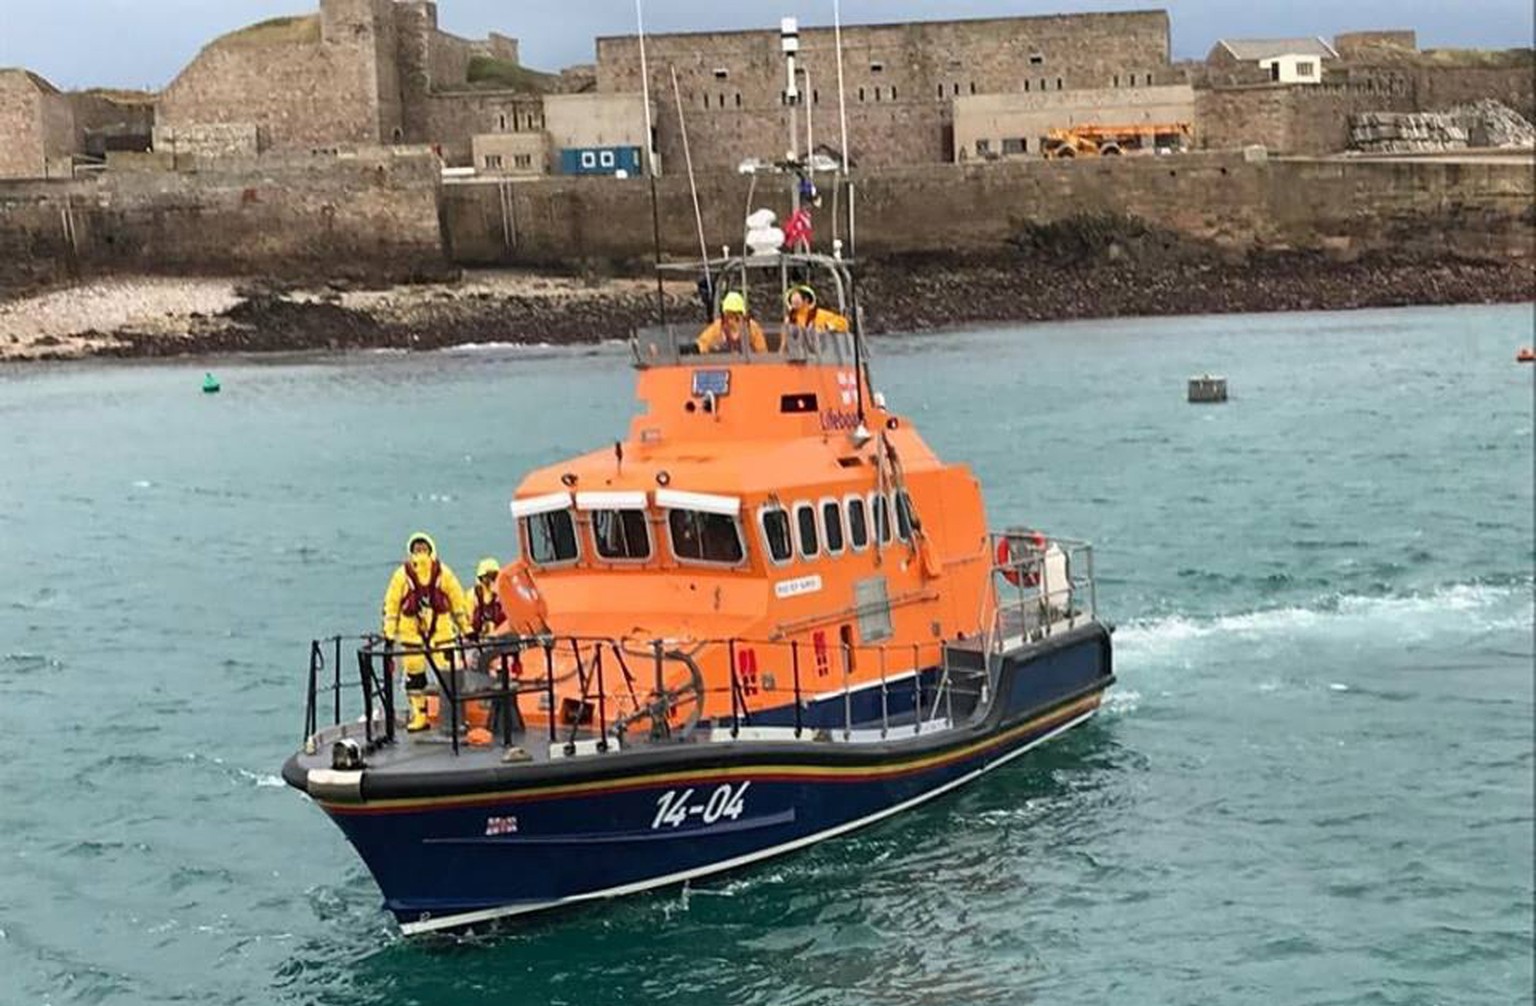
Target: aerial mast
{"type": "Point", "coordinates": [789, 44]}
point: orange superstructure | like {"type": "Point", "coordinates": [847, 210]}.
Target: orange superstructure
{"type": "Point", "coordinates": [767, 504]}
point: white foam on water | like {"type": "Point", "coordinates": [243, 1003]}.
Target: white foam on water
{"type": "Point", "coordinates": [1118, 701]}
{"type": "Point", "coordinates": [143, 484]}
{"type": "Point", "coordinates": [1465, 609]}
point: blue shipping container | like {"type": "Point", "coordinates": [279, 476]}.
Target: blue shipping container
{"type": "Point", "coordinates": [600, 160]}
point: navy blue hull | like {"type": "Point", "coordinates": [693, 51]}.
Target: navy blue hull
{"type": "Point", "coordinates": [615, 824]}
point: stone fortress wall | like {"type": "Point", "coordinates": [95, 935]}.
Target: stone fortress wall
{"type": "Point", "coordinates": [900, 80]}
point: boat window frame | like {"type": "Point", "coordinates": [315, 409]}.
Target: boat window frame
{"type": "Point", "coordinates": [848, 502]}
{"type": "Point", "coordinates": [878, 501]}
{"type": "Point", "coordinates": [800, 552]}
{"type": "Point", "coordinates": [525, 532]}
{"type": "Point", "coordinates": [901, 506]}
{"type": "Point", "coordinates": [842, 527]}
{"type": "Point", "coordinates": [741, 543]}
{"type": "Point", "coordinates": [789, 533]}
{"type": "Point", "coordinates": [597, 548]}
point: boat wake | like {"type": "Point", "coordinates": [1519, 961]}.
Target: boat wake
{"type": "Point", "coordinates": [1466, 610]}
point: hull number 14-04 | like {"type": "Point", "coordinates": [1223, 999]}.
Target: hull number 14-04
{"type": "Point", "coordinates": [676, 807]}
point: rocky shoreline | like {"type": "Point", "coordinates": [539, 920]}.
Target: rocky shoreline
{"type": "Point", "coordinates": [169, 317]}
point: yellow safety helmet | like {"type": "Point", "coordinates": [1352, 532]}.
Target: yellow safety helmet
{"type": "Point", "coordinates": [487, 565]}
{"type": "Point", "coordinates": [805, 289]}
{"type": "Point", "coordinates": [733, 303]}
{"type": "Point", "coordinates": [416, 536]}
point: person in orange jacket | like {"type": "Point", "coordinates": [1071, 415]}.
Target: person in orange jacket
{"type": "Point", "coordinates": [805, 314]}
{"type": "Point", "coordinates": [727, 333]}
{"type": "Point", "coordinates": [423, 607]}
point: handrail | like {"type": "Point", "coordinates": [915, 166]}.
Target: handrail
{"type": "Point", "coordinates": [814, 696]}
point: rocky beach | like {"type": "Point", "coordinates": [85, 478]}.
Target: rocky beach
{"type": "Point", "coordinates": [161, 316]}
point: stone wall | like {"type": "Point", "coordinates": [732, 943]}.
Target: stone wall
{"type": "Point", "coordinates": [106, 123]}
{"type": "Point", "coordinates": [306, 82]}
{"type": "Point", "coordinates": [944, 209]}
{"type": "Point", "coordinates": [1351, 44]}
{"type": "Point", "coordinates": [1314, 119]}
{"type": "Point", "coordinates": [900, 79]}
{"type": "Point", "coordinates": [1025, 119]}
{"type": "Point", "coordinates": [21, 154]}
{"type": "Point", "coordinates": [186, 144]}
{"type": "Point", "coordinates": [451, 119]}
{"type": "Point", "coordinates": [300, 94]}
{"type": "Point", "coordinates": [373, 214]}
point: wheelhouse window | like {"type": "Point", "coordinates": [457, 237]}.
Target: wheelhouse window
{"type": "Point", "coordinates": [858, 523]}
{"type": "Point", "coordinates": [776, 534]}
{"type": "Point", "coordinates": [551, 537]}
{"type": "Point", "coordinates": [832, 526]}
{"type": "Point", "coordinates": [705, 537]}
{"type": "Point", "coordinates": [805, 525]}
{"type": "Point", "coordinates": [621, 534]}
{"type": "Point", "coordinates": [882, 510]}
{"type": "Point", "coordinates": [904, 516]}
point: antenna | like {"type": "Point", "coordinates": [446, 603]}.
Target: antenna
{"type": "Point", "coordinates": [698, 215]}
{"type": "Point", "coordinates": [789, 44]}
{"type": "Point", "coordinates": [842, 92]}
{"type": "Point", "coordinates": [650, 150]}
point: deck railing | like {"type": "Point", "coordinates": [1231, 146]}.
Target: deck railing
{"type": "Point", "coordinates": [611, 691]}
{"type": "Point", "coordinates": [1037, 589]}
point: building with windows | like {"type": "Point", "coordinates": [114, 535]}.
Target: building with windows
{"type": "Point", "coordinates": [902, 81]}
{"type": "Point", "coordinates": [991, 126]}
{"type": "Point", "coordinates": [1283, 60]}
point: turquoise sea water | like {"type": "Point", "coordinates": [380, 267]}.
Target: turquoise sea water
{"type": "Point", "coordinates": [1313, 784]}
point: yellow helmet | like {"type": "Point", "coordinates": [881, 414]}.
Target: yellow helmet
{"type": "Point", "coordinates": [487, 565]}
{"type": "Point", "coordinates": [733, 303]}
{"type": "Point", "coordinates": [410, 542]}
{"type": "Point", "coordinates": [803, 289]}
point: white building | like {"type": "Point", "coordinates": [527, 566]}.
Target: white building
{"type": "Point", "coordinates": [1287, 60]}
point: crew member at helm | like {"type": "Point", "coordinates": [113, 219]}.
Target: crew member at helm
{"type": "Point", "coordinates": [726, 333]}
{"type": "Point", "coordinates": [805, 314]}
{"type": "Point", "coordinates": [485, 613]}
{"type": "Point", "coordinates": [423, 607]}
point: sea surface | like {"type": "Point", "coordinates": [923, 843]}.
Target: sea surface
{"type": "Point", "coordinates": [1313, 783]}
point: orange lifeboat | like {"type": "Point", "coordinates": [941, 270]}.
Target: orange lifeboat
{"type": "Point", "coordinates": [769, 615]}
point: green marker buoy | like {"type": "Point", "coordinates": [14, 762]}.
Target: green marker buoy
{"type": "Point", "coordinates": [210, 384]}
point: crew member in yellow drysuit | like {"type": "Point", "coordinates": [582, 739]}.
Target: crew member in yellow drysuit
{"type": "Point", "coordinates": [804, 312]}
{"type": "Point", "coordinates": [485, 612]}
{"type": "Point", "coordinates": [423, 605]}
{"type": "Point", "coordinates": [726, 333]}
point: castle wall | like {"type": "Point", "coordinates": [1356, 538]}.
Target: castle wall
{"type": "Point", "coordinates": [373, 214]}
{"type": "Point", "coordinates": [21, 114]}
{"type": "Point", "coordinates": [1025, 119]}
{"type": "Point", "coordinates": [1314, 119]}
{"type": "Point", "coordinates": [451, 120]}
{"type": "Point", "coordinates": [306, 85]}
{"type": "Point", "coordinates": [945, 209]}
{"type": "Point", "coordinates": [900, 79]}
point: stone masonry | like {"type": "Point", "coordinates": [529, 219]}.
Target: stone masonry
{"type": "Point", "coordinates": [901, 80]}
{"type": "Point", "coordinates": [38, 126]}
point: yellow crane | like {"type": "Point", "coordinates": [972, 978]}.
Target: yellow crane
{"type": "Point", "coordinates": [1112, 141]}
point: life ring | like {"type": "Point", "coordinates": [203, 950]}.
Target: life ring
{"type": "Point", "coordinates": [1013, 573]}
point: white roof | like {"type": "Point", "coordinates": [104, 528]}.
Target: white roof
{"type": "Point", "coordinates": [1251, 49]}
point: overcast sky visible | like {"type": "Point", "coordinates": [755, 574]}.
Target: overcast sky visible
{"type": "Point", "coordinates": [145, 43]}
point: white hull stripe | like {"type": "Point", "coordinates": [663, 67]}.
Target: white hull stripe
{"type": "Point", "coordinates": [487, 914]}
